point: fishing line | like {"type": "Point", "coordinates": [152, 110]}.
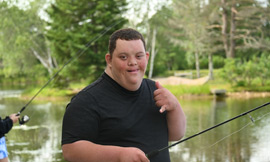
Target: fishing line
{"type": "Point", "coordinates": [252, 122]}
{"type": "Point", "coordinates": [77, 55]}
{"type": "Point", "coordinates": [245, 126]}
{"type": "Point", "coordinates": [156, 152]}
{"type": "Point", "coordinates": [208, 147]}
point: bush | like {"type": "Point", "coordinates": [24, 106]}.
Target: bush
{"type": "Point", "coordinates": [231, 71]}
{"type": "Point", "coordinates": [218, 61]}
{"type": "Point", "coordinates": [247, 73]}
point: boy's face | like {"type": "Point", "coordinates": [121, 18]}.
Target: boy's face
{"type": "Point", "coordinates": [128, 63]}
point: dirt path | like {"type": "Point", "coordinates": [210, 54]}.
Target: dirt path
{"type": "Point", "coordinates": [173, 80]}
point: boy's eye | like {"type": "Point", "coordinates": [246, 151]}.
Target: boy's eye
{"type": "Point", "coordinates": [140, 56]}
{"type": "Point", "coordinates": [123, 57]}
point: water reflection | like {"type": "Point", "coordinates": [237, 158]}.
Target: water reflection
{"type": "Point", "coordinates": [39, 139]}
{"type": "Point", "coordinates": [237, 141]}
{"type": "Point", "coordinates": [232, 142]}
{"type": "Point", "coordinates": [10, 93]}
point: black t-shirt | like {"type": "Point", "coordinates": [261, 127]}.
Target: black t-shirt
{"type": "Point", "coordinates": [106, 113]}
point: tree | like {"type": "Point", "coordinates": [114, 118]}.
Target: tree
{"type": "Point", "coordinates": [191, 28]}
{"type": "Point", "coordinates": [73, 24]}
{"type": "Point", "coordinates": [164, 55]}
{"type": "Point", "coordinates": [256, 20]}
{"type": "Point", "coordinates": [142, 18]}
{"type": "Point", "coordinates": [243, 26]}
{"type": "Point", "coordinates": [23, 39]}
{"type": "Point", "coordinates": [153, 53]}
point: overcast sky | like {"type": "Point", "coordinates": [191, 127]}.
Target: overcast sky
{"type": "Point", "coordinates": [132, 15]}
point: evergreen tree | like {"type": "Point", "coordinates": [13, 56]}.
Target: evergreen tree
{"type": "Point", "coordinates": [73, 24]}
{"type": "Point", "coordinates": [243, 27]}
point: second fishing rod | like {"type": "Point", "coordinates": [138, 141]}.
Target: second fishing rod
{"type": "Point", "coordinates": [156, 152]}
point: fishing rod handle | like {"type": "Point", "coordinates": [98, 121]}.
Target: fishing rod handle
{"type": "Point", "coordinates": [19, 113]}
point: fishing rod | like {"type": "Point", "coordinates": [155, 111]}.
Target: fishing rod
{"type": "Point", "coordinates": [25, 118]}
{"type": "Point", "coordinates": [156, 152]}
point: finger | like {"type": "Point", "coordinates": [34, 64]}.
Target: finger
{"type": "Point", "coordinates": [162, 109]}
{"type": "Point", "coordinates": [158, 97]}
{"type": "Point", "coordinates": [158, 85]}
{"type": "Point", "coordinates": [158, 90]}
{"type": "Point", "coordinates": [146, 159]}
{"type": "Point", "coordinates": [159, 104]}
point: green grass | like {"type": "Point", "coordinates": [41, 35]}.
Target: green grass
{"type": "Point", "coordinates": [179, 90]}
{"type": "Point", "coordinates": [47, 92]}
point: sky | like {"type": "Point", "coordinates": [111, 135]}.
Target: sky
{"type": "Point", "coordinates": [22, 4]}
{"type": "Point", "coordinates": [144, 7]}
{"type": "Point", "coordinates": [147, 7]}
{"type": "Point", "coordinates": [153, 6]}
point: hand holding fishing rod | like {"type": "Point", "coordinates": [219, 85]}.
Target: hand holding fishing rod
{"type": "Point", "coordinates": [156, 152]}
{"type": "Point", "coordinates": [14, 117]}
{"type": "Point", "coordinates": [24, 119]}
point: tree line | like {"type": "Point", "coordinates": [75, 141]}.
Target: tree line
{"type": "Point", "coordinates": [181, 35]}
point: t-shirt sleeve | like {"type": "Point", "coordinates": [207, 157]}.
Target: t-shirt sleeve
{"type": "Point", "coordinates": [5, 126]}
{"type": "Point", "coordinates": [81, 119]}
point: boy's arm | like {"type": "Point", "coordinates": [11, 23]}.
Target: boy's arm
{"type": "Point", "coordinates": [176, 119]}
{"type": "Point", "coordinates": [83, 151]}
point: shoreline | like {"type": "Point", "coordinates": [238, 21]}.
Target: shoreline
{"type": "Point", "coordinates": [249, 94]}
{"type": "Point", "coordinates": [240, 95]}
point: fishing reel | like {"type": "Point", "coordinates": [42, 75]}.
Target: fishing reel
{"type": "Point", "coordinates": [24, 119]}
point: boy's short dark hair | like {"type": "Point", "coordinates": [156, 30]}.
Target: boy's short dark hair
{"type": "Point", "coordinates": [124, 34]}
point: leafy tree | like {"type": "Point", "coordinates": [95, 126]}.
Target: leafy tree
{"type": "Point", "coordinates": [151, 27]}
{"type": "Point", "coordinates": [24, 45]}
{"type": "Point", "coordinates": [189, 27]}
{"type": "Point", "coordinates": [164, 55]}
{"type": "Point", "coordinates": [169, 56]}
{"type": "Point", "coordinates": [73, 24]}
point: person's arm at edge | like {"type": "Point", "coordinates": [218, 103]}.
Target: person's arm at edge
{"type": "Point", "coordinates": [7, 123]}
{"type": "Point", "coordinates": [83, 151]}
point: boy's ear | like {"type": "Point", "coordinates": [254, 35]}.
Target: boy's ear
{"type": "Point", "coordinates": [147, 55]}
{"type": "Point", "coordinates": [108, 59]}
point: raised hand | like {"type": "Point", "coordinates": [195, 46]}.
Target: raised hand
{"type": "Point", "coordinates": [165, 99]}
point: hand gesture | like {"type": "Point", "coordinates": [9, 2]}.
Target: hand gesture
{"type": "Point", "coordinates": [165, 99]}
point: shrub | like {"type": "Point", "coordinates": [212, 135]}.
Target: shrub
{"type": "Point", "coordinates": [248, 72]}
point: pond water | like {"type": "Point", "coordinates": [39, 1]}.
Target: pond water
{"type": "Point", "coordinates": [237, 141]}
